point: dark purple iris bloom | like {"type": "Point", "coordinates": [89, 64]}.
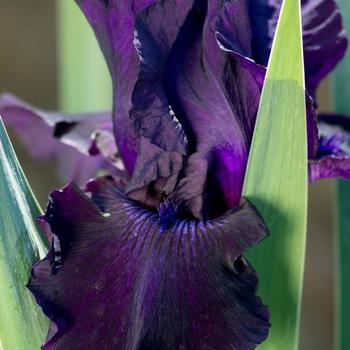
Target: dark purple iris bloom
{"type": "Point", "coordinates": [244, 29]}
{"type": "Point", "coordinates": [151, 257]}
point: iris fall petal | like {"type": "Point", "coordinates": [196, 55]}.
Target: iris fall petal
{"type": "Point", "coordinates": [119, 276]}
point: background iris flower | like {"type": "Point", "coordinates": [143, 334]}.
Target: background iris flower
{"type": "Point", "coordinates": [151, 257]}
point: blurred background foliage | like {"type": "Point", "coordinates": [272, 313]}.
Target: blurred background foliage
{"type": "Point", "coordinates": [28, 68]}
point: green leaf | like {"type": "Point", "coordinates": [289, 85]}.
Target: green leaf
{"type": "Point", "coordinates": [22, 323]}
{"type": "Point", "coordinates": [276, 181]}
{"type": "Point", "coordinates": [341, 98]}
{"type": "Point", "coordinates": [84, 81]}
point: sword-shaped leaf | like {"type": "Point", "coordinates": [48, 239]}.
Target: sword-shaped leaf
{"type": "Point", "coordinates": [276, 180]}
{"type": "Point", "coordinates": [22, 323]}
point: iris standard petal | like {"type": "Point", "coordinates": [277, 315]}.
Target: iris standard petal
{"type": "Point", "coordinates": [210, 84]}
{"type": "Point", "coordinates": [122, 277]}
{"type": "Point", "coordinates": [163, 142]}
{"type": "Point", "coordinates": [233, 27]}
{"type": "Point", "coordinates": [188, 87]}
{"type": "Point", "coordinates": [70, 139]}
{"type": "Point", "coordinates": [157, 28]}
{"type": "Point", "coordinates": [114, 22]}
{"type": "Point", "coordinates": [216, 100]}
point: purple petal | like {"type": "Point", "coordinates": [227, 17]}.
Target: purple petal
{"type": "Point", "coordinates": [329, 167]}
{"type": "Point", "coordinates": [204, 98]}
{"type": "Point", "coordinates": [68, 138]}
{"type": "Point", "coordinates": [157, 28]}
{"type": "Point", "coordinates": [216, 98]}
{"type": "Point", "coordinates": [194, 64]}
{"type": "Point", "coordinates": [186, 85]}
{"type": "Point", "coordinates": [324, 36]}
{"type": "Point", "coordinates": [155, 174]}
{"type": "Point", "coordinates": [312, 128]}
{"type": "Point", "coordinates": [333, 156]}
{"type": "Point", "coordinates": [163, 143]}
{"type": "Point", "coordinates": [233, 27]}
{"type": "Point", "coordinates": [114, 22]}
{"type": "Point", "coordinates": [153, 280]}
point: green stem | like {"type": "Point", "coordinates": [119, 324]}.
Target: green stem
{"type": "Point", "coordinates": [341, 101]}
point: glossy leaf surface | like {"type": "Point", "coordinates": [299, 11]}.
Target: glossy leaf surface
{"type": "Point", "coordinates": [22, 324]}
{"type": "Point", "coordinates": [276, 181]}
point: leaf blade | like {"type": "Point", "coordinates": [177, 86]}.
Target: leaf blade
{"type": "Point", "coordinates": [276, 180]}
{"type": "Point", "coordinates": [22, 324]}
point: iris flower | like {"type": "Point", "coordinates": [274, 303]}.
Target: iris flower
{"type": "Point", "coordinates": [151, 256]}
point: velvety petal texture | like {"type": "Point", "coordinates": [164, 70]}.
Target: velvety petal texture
{"type": "Point", "coordinates": [70, 139]}
{"type": "Point", "coordinates": [119, 276]}
{"type": "Point", "coordinates": [333, 156]}
{"type": "Point", "coordinates": [156, 30]}
{"type": "Point", "coordinates": [163, 142]}
{"type": "Point", "coordinates": [213, 94]}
